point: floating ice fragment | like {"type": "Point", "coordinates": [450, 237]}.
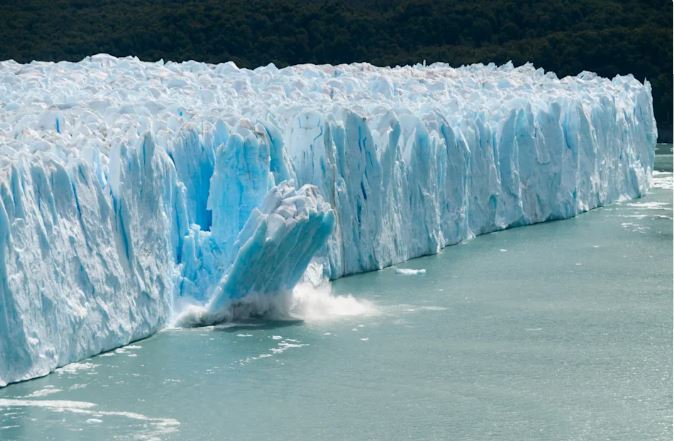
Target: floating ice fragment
{"type": "Point", "coordinates": [48, 390]}
{"type": "Point", "coordinates": [409, 271]}
{"type": "Point", "coordinates": [75, 368]}
{"type": "Point", "coordinates": [433, 308]}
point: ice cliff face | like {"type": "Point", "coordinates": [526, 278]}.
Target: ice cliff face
{"type": "Point", "coordinates": [128, 187]}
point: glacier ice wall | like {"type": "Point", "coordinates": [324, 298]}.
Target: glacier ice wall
{"type": "Point", "coordinates": [127, 188]}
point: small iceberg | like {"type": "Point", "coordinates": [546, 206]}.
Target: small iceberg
{"type": "Point", "coordinates": [410, 271]}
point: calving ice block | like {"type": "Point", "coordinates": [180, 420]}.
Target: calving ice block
{"type": "Point", "coordinates": [128, 188]}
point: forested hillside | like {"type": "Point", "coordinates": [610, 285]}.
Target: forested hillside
{"type": "Point", "coordinates": [605, 36]}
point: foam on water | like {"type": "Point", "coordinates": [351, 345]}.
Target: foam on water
{"type": "Point", "coordinates": [48, 390]}
{"type": "Point", "coordinates": [156, 428]}
{"type": "Point", "coordinates": [662, 180]}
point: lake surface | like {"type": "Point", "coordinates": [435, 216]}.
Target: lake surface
{"type": "Point", "coordinates": [557, 331]}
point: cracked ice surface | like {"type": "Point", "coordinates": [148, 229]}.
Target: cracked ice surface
{"type": "Point", "coordinates": [127, 186]}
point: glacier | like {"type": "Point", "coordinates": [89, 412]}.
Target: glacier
{"type": "Point", "coordinates": [134, 195]}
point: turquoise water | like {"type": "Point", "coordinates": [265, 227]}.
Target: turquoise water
{"type": "Point", "coordinates": [558, 331]}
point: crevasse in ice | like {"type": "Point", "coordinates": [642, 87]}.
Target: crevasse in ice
{"type": "Point", "coordinates": [127, 187]}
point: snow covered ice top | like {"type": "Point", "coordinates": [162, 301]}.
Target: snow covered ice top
{"type": "Point", "coordinates": [104, 101]}
{"type": "Point", "coordinates": [127, 187]}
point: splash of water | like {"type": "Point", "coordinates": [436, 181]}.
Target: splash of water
{"type": "Point", "coordinates": [309, 302]}
{"type": "Point", "coordinates": [312, 303]}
